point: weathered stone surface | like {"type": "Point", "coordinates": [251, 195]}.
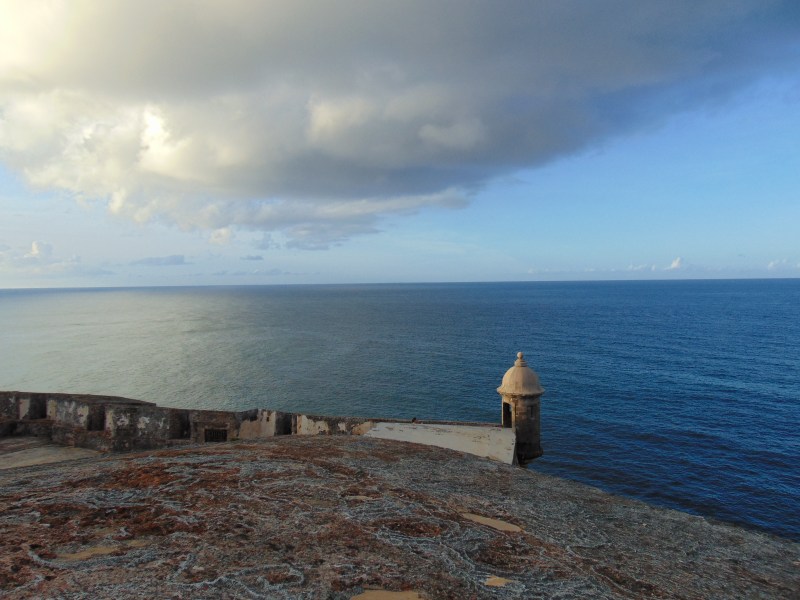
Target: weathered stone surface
{"type": "Point", "coordinates": [339, 516]}
{"type": "Point", "coordinates": [521, 409]}
{"type": "Point", "coordinates": [28, 451]}
{"type": "Point", "coordinates": [109, 423]}
{"type": "Point", "coordinates": [497, 443]}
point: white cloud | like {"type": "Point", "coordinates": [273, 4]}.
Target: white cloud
{"type": "Point", "coordinates": [650, 267]}
{"type": "Point", "coordinates": [41, 260]}
{"type": "Point", "coordinates": [221, 236]}
{"type": "Point", "coordinates": [268, 242]}
{"type": "Point", "coordinates": [316, 119]}
{"type": "Point", "coordinates": [783, 264]}
{"type": "Point", "coordinates": [676, 265]}
{"type": "Point", "coordinates": [274, 272]}
{"type": "Point", "coordinates": [40, 251]}
{"type": "Point", "coordinates": [162, 261]}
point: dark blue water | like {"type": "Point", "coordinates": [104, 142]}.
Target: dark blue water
{"type": "Point", "coordinates": [685, 394]}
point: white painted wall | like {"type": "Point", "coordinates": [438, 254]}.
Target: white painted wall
{"type": "Point", "coordinates": [496, 443]}
{"type": "Point", "coordinates": [262, 427]}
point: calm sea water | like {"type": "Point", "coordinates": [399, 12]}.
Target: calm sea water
{"type": "Point", "coordinates": [685, 394]}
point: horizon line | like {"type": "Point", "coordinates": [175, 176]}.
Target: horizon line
{"type": "Point", "coordinates": [390, 283]}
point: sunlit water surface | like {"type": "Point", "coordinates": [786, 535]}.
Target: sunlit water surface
{"type": "Point", "coordinates": [685, 394]}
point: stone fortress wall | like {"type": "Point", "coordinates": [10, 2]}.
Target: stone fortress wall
{"type": "Point", "coordinates": [110, 423]}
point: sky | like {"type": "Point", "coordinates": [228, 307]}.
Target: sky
{"type": "Point", "coordinates": [265, 142]}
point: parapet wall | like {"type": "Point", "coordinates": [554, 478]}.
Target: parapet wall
{"type": "Point", "coordinates": [110, 423]}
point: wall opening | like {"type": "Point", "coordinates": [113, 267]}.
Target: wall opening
{"type": "Point", "coordinates": [216, 435]}
{"type": "Point", "coordinates": [283, 423]}
{"type": "Point", "coordinates": [37, 409]}
{"type": "Point", "coordinates": [506, 414]}
{"type": "Point", "coordinates": [179, 426]}
{"type": "Point", "coordinates": [96, 420]}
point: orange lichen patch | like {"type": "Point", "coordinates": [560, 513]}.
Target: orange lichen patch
{"type": "Point", "coordinates": [388, 595]}
{"type": "Point", "coordinates": [493, 523]}
{"type": "Point", "coordinates": [494, 581]}
{"type": "Point", "coordinates": [139, 476]}
{"type": "Point", "coordinates": [88, 553]}
{"type": "Point", "coordinates": [101, 550]}
{"type": "Point", "coordinates": [69, 522]}
{"type": "Point", "coordinates": [302, 451]}
{"type": "Point", "coordinates": [140, 521]}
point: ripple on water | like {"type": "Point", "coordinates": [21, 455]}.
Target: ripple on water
{"type": "Point", "coordinates": [682, 393]}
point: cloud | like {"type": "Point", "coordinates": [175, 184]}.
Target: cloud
{"type": "Point", "coordinates": [268, 242]}
{"type": "Point", "coordinates": [676, 265]}
{"type": "Point", "coordinates": [38, 255]}
{"type": "Point", "coordinates": [253, 257]}
{"type": "Point", "coordinates": [221, 236]}
{"type": "Point", "coordinates": [274, 272]}
{"type": "Point", "coordinates": [40, 251]}
{"type": "Point", "coordinates": [317, 120]}
{"type": "Point", "coordinates": [650, 267]}
{"type": "Point", "coordinates": [41, 260]}
{"type": "Point", "coordinates": [783, 264]}
{"type": "Point", "coordinates": [162, 261]}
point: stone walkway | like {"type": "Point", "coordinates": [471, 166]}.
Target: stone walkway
{"type": "Point", "coordinates": [29, 451]}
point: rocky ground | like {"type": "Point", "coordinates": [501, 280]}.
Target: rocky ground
{"type": "Point", "coordinates": [344, 517]}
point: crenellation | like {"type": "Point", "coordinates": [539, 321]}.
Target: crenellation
{"type": "Point", "coordinates": [32, 406]}
{"type": "Point", "coordinates": [9, 405]}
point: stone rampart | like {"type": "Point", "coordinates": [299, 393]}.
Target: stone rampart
{"type": "Point", "coordinates": [110, 423]}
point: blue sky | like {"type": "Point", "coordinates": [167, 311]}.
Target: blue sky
{"type": "Point", "coordinates": [672, 153]}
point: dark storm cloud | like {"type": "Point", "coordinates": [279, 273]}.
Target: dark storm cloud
{"type": "Point", "coordinates": [316, 119]}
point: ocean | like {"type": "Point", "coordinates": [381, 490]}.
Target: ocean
{"type": "Point", "coordinates": [685, 394]}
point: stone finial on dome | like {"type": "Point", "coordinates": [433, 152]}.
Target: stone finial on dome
{"type": "Point", "coordinates": [521, 380]}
